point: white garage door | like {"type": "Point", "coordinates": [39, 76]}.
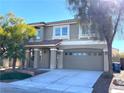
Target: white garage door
{"type": "Point", "coordinates": [86, 59]}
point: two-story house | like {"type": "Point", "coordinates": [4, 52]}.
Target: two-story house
{"type": "Point", "coordinates": [66, 44]}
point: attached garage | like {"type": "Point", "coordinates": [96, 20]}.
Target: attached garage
{"type": "Point", "coordinates": [86, 59]}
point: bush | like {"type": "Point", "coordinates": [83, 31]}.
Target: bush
{"type": "Point", "coordinates": [13, 75]}
{"type": "Point", "coordinates": [107, 75]}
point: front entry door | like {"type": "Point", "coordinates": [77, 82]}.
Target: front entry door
{"type": "Point", "coordinates": [45, 59]}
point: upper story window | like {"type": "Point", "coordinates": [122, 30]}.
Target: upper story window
{"type": "Point", "coordinates": [38, 34]}
{"type": "Point", "coordinates": [57, 32]}
{"type": "Point", "coordinates": [64, 30]}
{"type": "Point", "coordinates": [61, 32]}
{"type": "Point", "coordinates": [85, 31]}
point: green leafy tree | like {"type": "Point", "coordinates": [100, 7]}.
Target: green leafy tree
{"type": "Point", "coordinates": [106, 15]}
{"type": "Point", "coordinates": [14, 35]}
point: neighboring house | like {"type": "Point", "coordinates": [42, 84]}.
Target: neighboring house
{"type": "Point", "coordinates": [66, 44]}
{"type": "Point", "coordinates": [115, 52]}
{"type": "Point", "coordinates": [115, 55]}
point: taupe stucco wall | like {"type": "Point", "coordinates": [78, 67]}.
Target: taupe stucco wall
{"type": "Point", "coordinates": [48, 32]}
{"type": "Point", "coordinates": [94, 46]}
{"type": "Point", "coordinates": [74, 31]}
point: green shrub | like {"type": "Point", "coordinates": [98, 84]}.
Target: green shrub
{"type": "Point", "coordinates": [13, 75]}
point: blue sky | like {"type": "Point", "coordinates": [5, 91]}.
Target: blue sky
{"type": "Point", "coordinates": [43, 10]}
{"type": "Point", "coordinates": [37, 10]}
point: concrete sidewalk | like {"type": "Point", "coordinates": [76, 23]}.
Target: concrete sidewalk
{"type": "Point", "coordinates": [8, 88]}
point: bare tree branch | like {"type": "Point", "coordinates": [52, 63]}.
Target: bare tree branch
{"type": "Point", "coordinates": [116, 25]}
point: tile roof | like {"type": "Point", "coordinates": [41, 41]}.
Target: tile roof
{"type": "Point", "coordinates": [62, 21]}
{"type": "Point", "coordinates": [38, 24]}
{"type": "Point", "coordinates": [50, 23]}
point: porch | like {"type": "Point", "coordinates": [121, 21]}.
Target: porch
{"type": "Point", "coordinates": [45, 55]}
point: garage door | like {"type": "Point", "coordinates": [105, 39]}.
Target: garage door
{"type": "Point", "coordinates": [86, 59]}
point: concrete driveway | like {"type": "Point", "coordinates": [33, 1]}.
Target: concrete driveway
{"type": "Point", "coordinates": [60, 81]}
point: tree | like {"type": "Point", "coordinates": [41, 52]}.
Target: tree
{"type": "Point", "coordinates": [105, 14]}
{"type": "Point", "coordinates": [115, 55]}
{"type": "Point", "coordinates": [14, 35]}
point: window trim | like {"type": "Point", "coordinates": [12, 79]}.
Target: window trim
{"type": "Point", "coordinates": [38, 37]}
{"type": "Point", "coordinates": [59, 31]}
{"type": "Point", "coordinates": [61, 36]}
{"type": "Point", "coordinates": [85, 35]}
{"type": "Point", "coordinates": [62, 30]}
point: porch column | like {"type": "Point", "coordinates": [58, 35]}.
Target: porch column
{"type": "Point", "coordinates": [40, 57]}
{"type": "Point", "coordinates": [60, 60]}
{"type": "Point", "coordinates": [36, 57]}
{"type": "Point", "coordinates": [53, 58]}
{"type": "Point", "coordinates": [27, 58]}
{"type": "Point", "coordinates": [106, 62]}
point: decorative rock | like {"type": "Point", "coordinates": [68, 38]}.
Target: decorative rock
{"type": "Point", "coordinates": [118, 82]}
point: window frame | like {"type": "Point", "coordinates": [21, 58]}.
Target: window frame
{"type": "Point", "coordinates": [66, 29]}
{"type": "Point", "coordinates": [59, 31]}
{"type": "Point", "coordinates": [61, 36]}
{"type": "Point", "coordinates": [38, 36]}
{"type": "Point", "coordinates": [81, 35]}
